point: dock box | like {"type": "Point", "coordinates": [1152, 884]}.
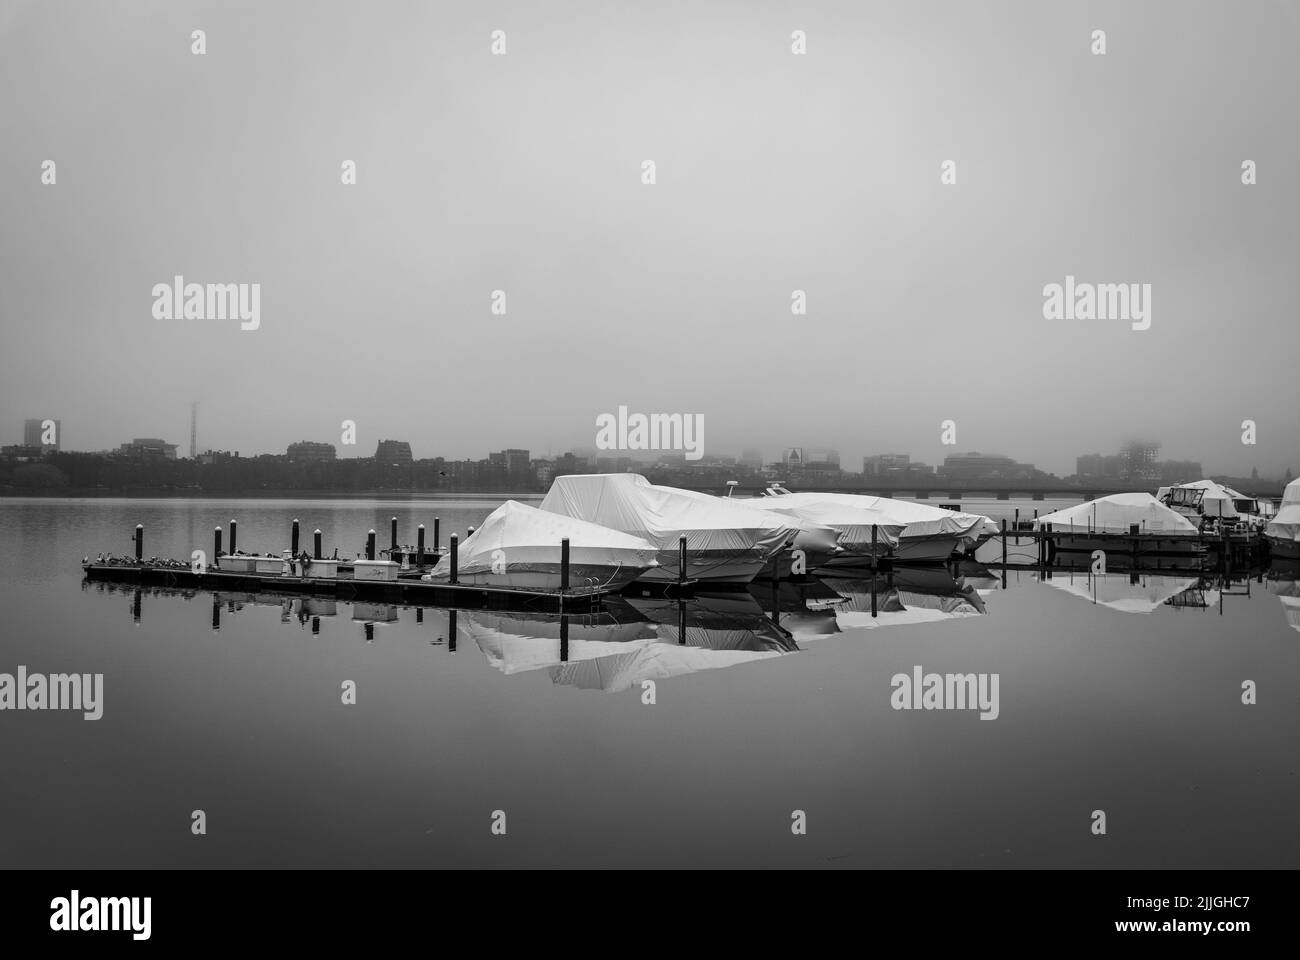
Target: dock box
{"type": "Point", "coordinates": [268, 566]}
{"type": "Point", "coordinates": [382, 570]}
{"type": "Point", "coordinates": [318, 569]}
{"type": "Point", "coordinates": [227, 563]}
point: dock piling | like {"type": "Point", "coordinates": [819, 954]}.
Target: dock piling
{"type": "Point", "coordinates": [874, 559]}
{"type": "Point", "coordinates": [392, 524]}
{"type": "Point", "coordinates": [564, 565]}
{"type": "Point", "coordinates": [455, 544]}
{"type": "Point", "coordinates": [419, 544]}
{"type": "Point", "coordinates": [437, 540]}
{"type": "Point", "coordinates": [1004, 541]}
{"type": "Point", "coordinates": [216, 543]}
{"type": "Point", "coordinates": [139, 541]}
{"type": "Point", "coordinates": [316, 547]}
{"type": "Point", "coordinates": [234, 527]}
{"type": "Point", "coordinates": [681, 559]}
{"type": "Point", "coordinates": [370, 545]}
{"type": "Point", "coordinates": [293, 539]}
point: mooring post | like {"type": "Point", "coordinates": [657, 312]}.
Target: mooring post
{"type": "Point", "coordinates": [392, 524]}
{"type": "Point", "coordinates": [234, 527]}
{"type": "Point", "coordinates": [874, 559]}
{"type": "Point", "coordinates": [316, 547]}
{"type": "Point", "coordinates": [216, 544]}
{"type": "Point", "coordinates": [216, 613]}
{"type": "Point", "coordinates": [451, 629]}
{"type": "Point", "coordinates": [370, 545]}
{"type": "Point", "coordinates": [437, 540]}
{"type": "Point", "coordinates": [455, 543]}
{"type": "Point", "coordinates": [469, 532]}
{"type": "Point", "coordinates": [1004, 542]}
{"type": "Point", "coordinates": [564, 565]}
{"type": "Point", "coordinates": [139, 541]}
{"type": "Point", "coordinates": [1017, 527]}
{"type": "Point", "coordinates": [873, 593]}
{"type": "Point", "coordinates": [293, 539]}
{"type": "Point", "coordinates": [419, 544]}
{"type": "Point", "coordinates": [681, 621]}
{"type": "Point", "coordinates": [681, 560]}
{"type": "Point", "coordinates": [564, 639]}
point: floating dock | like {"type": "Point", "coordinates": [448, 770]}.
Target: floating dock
{"type": "Point", "coordinates": [410, 591]}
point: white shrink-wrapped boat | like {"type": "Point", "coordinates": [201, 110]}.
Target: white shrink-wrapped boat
{"type": "Point", "coordinates": [1149, 526]}
{"type": "Point", "coordinates": [851, 526]}
{"type": "Point", "coordinates": [725, 543]}
{"type": "Point", "coordinates": [1283, 531]}
{"type": "Point", "coordinates": [519, 546]}
{"type": "Point", "coordinates": [929, 534]}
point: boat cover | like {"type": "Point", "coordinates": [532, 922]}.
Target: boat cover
{"type": "Point", "coordinates": [632, 504]}
{"type": "Point", "coordinates": [851, 524]}
{"type": "Point", "coordinates": [917, 519]}
{"type": "Point", "coordinates": [1285, 525]}
{"type": "Point", "coordinates": [1116, 513]}
{"type": "Point", "coordinates": [527, 535]}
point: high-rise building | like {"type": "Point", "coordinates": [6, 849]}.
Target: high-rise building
{"type": "Point", "coordinates": [984, 466]}
{"type": "Point", "coordinates": [394, 452]}
{"type": "Point", "coordinates": [148, 448]}
{"type": "Point", "coordinates": [307, 451]}
{"type": "Point", "coordinates": [881, 464]}
{"type": "Point", "coordinates": [45, 433]}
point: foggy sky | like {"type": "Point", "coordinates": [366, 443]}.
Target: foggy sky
{"type": "Point", "coordinates": [775, 172]}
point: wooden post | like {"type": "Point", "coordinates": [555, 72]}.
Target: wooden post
{"type": "Point", "coordinates": [370, 545]}
{"type": "Point", "coordinates": [455, 542]}
{"type": "Point", "coordinates": [139, 541]}
{"type": "Point", "coordinates": [564, 565]}
{"type": "Point", "coordinates": [1004, 542]}
{"type": "Point", "coordinates": [293, 539]}
{"type": "Point", "coordinates": [681, 560]}
{"type": "Point", "coordinates": [393, 530]}
{"type": "Point", "coordinates": [564, 639]}
{"type": "Point", "coordinates": [216, 543]}
{"type": "Point", "coordinates": [316, 547]}
{"type": "Point", "coordinates": [874, 559]}
{"type": "Point", "coordinates": [681, 622]}
{"type": "Point", "coordinates": [234, 527]}
{"type": "Point", "coordinates": [469, 532]}
{"type": "Point", "coordinates": [419, 544]}
{"type": "Point", "coordinates": [437, 539]}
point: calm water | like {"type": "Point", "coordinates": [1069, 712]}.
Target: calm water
{"type": "Point", "coordinates": [1101, 707]}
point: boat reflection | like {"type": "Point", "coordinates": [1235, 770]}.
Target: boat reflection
{"type": "Point", "coordinates": [916, 595]}
{"type": "Point", "coordinates": [1284, 582]}
{"type": "Point", "coordinates": [1135, 592]}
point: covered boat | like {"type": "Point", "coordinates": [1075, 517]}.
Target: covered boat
{"type": "Point", "coordinates": [1216, 502]}
{"type": "Point", "coordinates": [1148, 528]}
{"type": "Point", "coordinates": [1283, 531]}
{"type": "Point", "coordinates": [519, 546]}
{"type": "Point", "coordinates": [725, 543]}
{"type": "Point", "coordinates": [928, 535]}
{"type": "Point", "coordinates": [851, 525]}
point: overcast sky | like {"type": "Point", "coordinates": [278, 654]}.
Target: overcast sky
{"type": "Point", "coordinates": [775, 172]}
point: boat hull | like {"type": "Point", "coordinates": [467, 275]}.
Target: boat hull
{"type": "Point", "coordinates": [546, 576]}
{"type": "Point", "coordinates": [1286, 549]}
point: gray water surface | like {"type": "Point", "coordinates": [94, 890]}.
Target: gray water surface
{"type": "Point", "coordinates": [1136, 714]}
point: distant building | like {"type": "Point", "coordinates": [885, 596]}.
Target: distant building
{"type": "Point", "coordinates": [148, 448]}
{"type": "Point", "coordinates": [881, 464]}
{"type": "Point", "coordinates": [984, 466]}
{"type": "Point", "coordinates": [1096, 466]}
{"type": "Point", "coordinates": [751, 457]}
{"type": "Point", "coordinates": [36, 434]}
{"type": "Point", "coordinates": [394, 452]}
{"type": "Point", "coordinates": [798, 460]}
{"type": "Point", "coordinates": [1180, 471]}
{"type": "Point", "coordinates": [20, 451]}
{"type": "Point", "coordinates": [307, 451]}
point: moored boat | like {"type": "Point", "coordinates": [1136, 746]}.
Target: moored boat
{"type": "Point", "coordinates": [1283, 531]}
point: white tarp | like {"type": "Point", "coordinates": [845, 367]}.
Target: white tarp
{"type": "Point", "coordinates": [526, 536]}
{"type": "Point", "coordinates": [1286, 524]}
{"type": "Point", "coordinates": [1116, 514]}
{"type": "Point", "coordinates": [1218, 501]}
{"type": "Point", "coordinates": [628, 502]}
{"type": "Point", "coordinates": [1119, 592]}
{"type": "Point", "coordinates": [917, 519]}
{"type": "Point", "coordinates": [851, 524]}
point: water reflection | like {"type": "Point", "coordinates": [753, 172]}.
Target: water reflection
{"type": "Point", "coordinates": [631, 638]}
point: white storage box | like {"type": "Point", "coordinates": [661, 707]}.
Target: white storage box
{"type": "Point", "coordinates": [227, 563]}
{"type": "Point", "coordinates": [268, 566]}
{"type": "Point", "coordinates": [383, 570]}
